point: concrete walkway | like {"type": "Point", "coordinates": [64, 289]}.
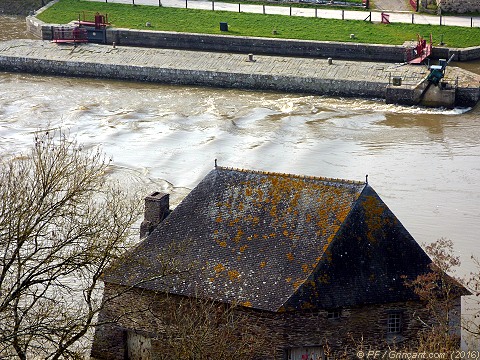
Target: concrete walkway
{"type": "Point", "coordinates": [376, 16]}
{"type": "Point", "coordinates": [310, 68]}
{"type": "Point", "coordinates": [278, 73]}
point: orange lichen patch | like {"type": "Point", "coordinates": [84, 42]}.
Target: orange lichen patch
{"type": "Point", "coordinates": [255, 220]}
{"type": "Point", "coordinates": [330, 237]}
{"type": "Point", "coordinates": [321, 232]}
{"type": "Point", "coordinates": [248, 191]}
{"type": "Point", "coordinates": [373, 217]}
{"type": "Point", "coordinates": [243, 248]}
{"type": "Point", "coordinates": [324, 278]}
{"type": "Point", "coordinates": [308, 218]}
{"type": "Point", "coordinates": [218, 219]}
{"type": "Point", "coordinates": [255, 236]}
{"type": "Point", "coordinates": [233, 222]}
{"type": "Point", "coordinates": [285, 232]}
{"type": "Point", "coordinates": [290, 256]}
{"type": "Point", "coordinates": [307, 306]}
{"type": "Point", "coordinates": [343, 213]}
{"type": "Point", "coordinates": [223, 243]}
{"type": "Point", "coordinates": [294, 201]}
{"type": "Point", "coordinates": [246, 303]}
{"type": "Point", "coordinates": [233, 274]}
{"type": "Point", "coordinates": [260, 195]}
{"type": "Point", "coordinates": [238, 236]}
{"type": "Point", "coordinates": [305, 268]}
{"type": "Point", "coordinates": [288, 279]}
{"type": "Point", "coordinates": [273, 211]}
{"type": "Point", "coordinates": [219, 268]}
{"type": "Point", "coordinates": [215, 232]}
{"type": "Point", "coordinates": [328, 254]}
{"type": "Point", "coordinates": [262, 264]}
{"type": "Point", "coordinates": [298, 283]}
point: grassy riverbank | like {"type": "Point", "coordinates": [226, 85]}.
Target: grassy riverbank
{"type": "Point", "coordinates": [245, 24]}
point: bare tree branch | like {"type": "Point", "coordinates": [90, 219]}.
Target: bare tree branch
{"type": "Point", "coordinates": [62, 222]}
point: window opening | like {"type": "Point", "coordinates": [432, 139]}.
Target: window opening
{"type": "Point", "coordinates": [394, 322]}
{"type": "Point", "coordinates": [334, 314]}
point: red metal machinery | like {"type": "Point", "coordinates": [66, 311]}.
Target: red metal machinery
{"type": "Point", "coordinates": [97, 20]}
{"type": "Point", "coordinates": [422, 51]}
{"type": "Point", "coordinates": [66, 34]}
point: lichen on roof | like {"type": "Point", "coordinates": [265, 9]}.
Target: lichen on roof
{"type": "Point", "coordinates": [254, 237]}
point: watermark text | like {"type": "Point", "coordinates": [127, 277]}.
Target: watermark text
{"type": "Point", "coordinates": [403, 355]}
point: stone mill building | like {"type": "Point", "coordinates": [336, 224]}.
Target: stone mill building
{"type": "Point", "coordinates": [312, 264]}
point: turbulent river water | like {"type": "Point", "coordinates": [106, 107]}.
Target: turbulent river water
{"type": "Point", "coordinates": [424, 163]}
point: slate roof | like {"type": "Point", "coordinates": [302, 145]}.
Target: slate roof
{"type": "Point", "coordinates": [277, 242]}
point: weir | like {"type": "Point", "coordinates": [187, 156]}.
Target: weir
{"type": "Point", "coordinates": [243, 71]}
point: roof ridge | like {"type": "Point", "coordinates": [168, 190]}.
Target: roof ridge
{"type": "Point", "coordinates": [308, 177]}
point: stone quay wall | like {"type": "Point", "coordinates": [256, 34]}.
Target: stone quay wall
{"type": "Point", "coordinates": [266, 46]}
{"type": "Point", "coordinates": [459, 6]}
{"type": "Point", "coordinates": [295, 84]}
{"type": "Point", "coordinates": [255, 45]}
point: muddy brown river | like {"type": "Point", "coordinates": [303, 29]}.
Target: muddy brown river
{"type": "Point", "coordinates": [424, 163]}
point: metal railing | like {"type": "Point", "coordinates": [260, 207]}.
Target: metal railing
{"type": "Point", "coordinates": [69, 34]}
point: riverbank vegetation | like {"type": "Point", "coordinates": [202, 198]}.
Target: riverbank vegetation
{"type": "Point", "coordinates": [247, 24]}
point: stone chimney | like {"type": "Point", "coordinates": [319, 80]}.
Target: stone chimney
{"type": "Point", "coordinates": [156, 209]}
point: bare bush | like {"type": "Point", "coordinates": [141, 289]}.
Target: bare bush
{"type": "Point", "coordinates": [196, 328]}
{"type": "Point", "coordinates": [440, 290]}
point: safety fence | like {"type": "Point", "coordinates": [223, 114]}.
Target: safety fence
{"type": "Point", "coordinates": [320, 11]}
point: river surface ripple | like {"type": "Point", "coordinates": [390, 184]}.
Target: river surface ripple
{"type": "Point", "coordinates": [424, 163]}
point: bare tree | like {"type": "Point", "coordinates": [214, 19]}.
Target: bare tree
{"type": "Point", "coordinates": [441, 291]}
{"type": "Point", "coordinates": [61, 223]}
{"type": "Point", "coordinates": [472, 322]}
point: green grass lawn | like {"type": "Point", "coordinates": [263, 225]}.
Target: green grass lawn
{"type": "Point", "coordinates": [244, 24]}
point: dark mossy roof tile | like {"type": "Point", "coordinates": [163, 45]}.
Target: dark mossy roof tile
{"type": "Point", "coordinates": [266, 240]}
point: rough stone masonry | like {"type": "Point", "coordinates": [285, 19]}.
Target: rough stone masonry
{"type": "Point", "coordinates": [459, 6]}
